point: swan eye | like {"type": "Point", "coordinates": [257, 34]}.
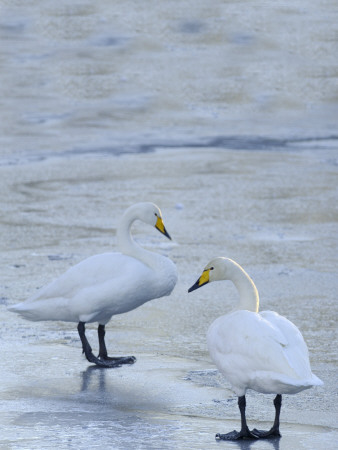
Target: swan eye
{"type": "Point", "coordinates": [211, 268]}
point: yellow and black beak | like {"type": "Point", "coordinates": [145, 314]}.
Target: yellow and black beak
{"type": "Point", "coordinates": [160, 226]}
{"type": "Point", "coordinates": [203, 279]}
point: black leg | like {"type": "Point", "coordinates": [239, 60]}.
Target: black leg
{"type": "Point", "coordinates": [274, 431]}
{"type": "Point", "coordinates": [103, 350]}
{"type": "Point", "coordinates": [245, 433]}
{"type": "Point", "coordinates": [87, 350]}
{"type": "Point", "coordinates": [103, 355]}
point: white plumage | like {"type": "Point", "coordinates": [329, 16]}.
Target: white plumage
{"type": "Point", "coordinates": [108, 284]}
{"type": "Point", "coordinates": [260, 351]}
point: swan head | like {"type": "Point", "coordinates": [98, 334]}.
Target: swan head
{"type": "Point", "coordinates": [150, 214]}
{"type": "Point", "coordinates": [217, 269]}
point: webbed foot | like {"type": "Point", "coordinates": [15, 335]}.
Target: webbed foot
{"type": "Point", "coordinates": [236, 435]}
{"type": "Point", "coordinates": [261, 434]}
{"type": "Point", "coordinates": [101, 363]}
{"type": "Point", "coordinates": [118, 359]}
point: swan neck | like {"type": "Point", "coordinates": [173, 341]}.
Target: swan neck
{"type": "Point", "coordinates": [248, 294]}
{"type": "Point", "coordinates": [127, 244]}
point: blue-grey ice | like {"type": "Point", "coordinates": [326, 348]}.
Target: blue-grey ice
{"type": "Point", "coordinates": [226, 108]}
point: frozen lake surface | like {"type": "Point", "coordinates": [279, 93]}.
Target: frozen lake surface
{"type": "Point", "coordinates": [225, 115]}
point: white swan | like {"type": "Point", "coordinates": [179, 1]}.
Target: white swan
{"type": "Point", "coordinates": [104, 285]}
{"type": "Point", "coordinates": [260, 351]}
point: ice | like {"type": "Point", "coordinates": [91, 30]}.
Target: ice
{"type": "Point", "coordinates": [273, 212]}
{"type": "Point", "coordinates": [225, 115]}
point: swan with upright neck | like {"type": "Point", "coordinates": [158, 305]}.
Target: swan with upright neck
{"type": "Point", "coordinates": [260, 351]}
{"type": "Point", "coordinates": [107, 284]}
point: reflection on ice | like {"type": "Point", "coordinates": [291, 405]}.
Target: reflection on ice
{"type": "Point", "coordinates": [94, 374]}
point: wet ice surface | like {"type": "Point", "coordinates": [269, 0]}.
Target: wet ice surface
{"type": "Point", "coordinates": [242, 102]}
{"type": "Point", "coordinates": [273, 212]}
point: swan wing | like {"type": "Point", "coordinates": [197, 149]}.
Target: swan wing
{"type": "Point", "coordinates": [91, 271]}
{"type": "Point", "coordinates": [96, 288]}
{"type": "Point", "coordinates": [255, 352]}
{"type": "Point", "coordinates": [294, 347]}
